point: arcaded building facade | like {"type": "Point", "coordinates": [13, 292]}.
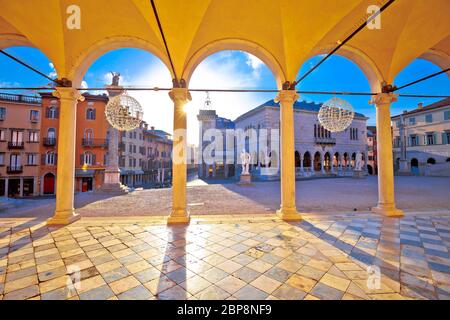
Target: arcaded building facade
{"type": "Point", "coordinates": [318, 152]}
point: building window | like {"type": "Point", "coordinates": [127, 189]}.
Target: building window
{"type": "Point", "coordinates": [412, 121]}
{"type": "Point", "coordinates": [33, 136]}
{"type": "Point", "coordinates": [15, 161]}
{"type": "Point", "coordinates": [88, 134]}
{"type": "Point", "coordinates": [130, 148]}
{"type": "Point", "coordinates": [2, 113]}
{"type": "Point", "coordinates": [446, 115]}
{"type": "Point", "coordinates": [446, 137]}
{"type": "Point", "coordinates": [32, 159]}
{"type": "Point", "coordinates": [130, 162]}
{"type": "Point", "coordinates": [51, 113]}
{"type": "Point", "coordinates": [16, 137]}
{"type": "Point", "coordinates": [51, 133]}
{"type": "Point", "coordinates": [130, 135]}
{"type": "Point", "coordinates": [2, 135]}
{"type": "Point", "coordinates": [90, 114]}
{"type": "Point", "coordinates": [50, 158]}
{"type": "Point", "coordinates": [429, 118]}
{"type": "Point", "coordinates": [430, 139]}
{"type": "Point", "coordinates": [88, 158]}
{"type": "Point", "coordinates": [414, 140]}
{"type": "Point", "coordinates": [34, 115]}
{"type": "Point", "coordinates": [2, 158]}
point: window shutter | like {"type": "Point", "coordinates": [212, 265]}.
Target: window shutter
{"type": "Point", "coordinates": [94, 162]}
{"type": "Point", "coordinates": [444, 138]}
{"type": "Point", "coordinates": [56, 159]}
{"type": "Point", "coordinates": [94, 113]}
{"type": "Point", "coordinates": [47, 112]}
{"type": "Point", "coordinates": [435, 138]}
{"type": "Point", "coordinates": [43, 159]}
{"type": "Point", "coordinates": [56, 113]}
{"type": "Point", "coordinates": [81, 159]}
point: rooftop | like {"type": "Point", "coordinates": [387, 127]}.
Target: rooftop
{"type": "Point", "coordinates": [298, 105]}
{"type": "Point", "coordinates": [20, 98]}
{"type": "Point", "coordinates": [439, 104]}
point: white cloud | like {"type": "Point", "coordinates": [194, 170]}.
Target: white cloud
{"type": "Point", "coordinates": [254, 62]}
{"type": "Point", "coordinates": [52, 73]}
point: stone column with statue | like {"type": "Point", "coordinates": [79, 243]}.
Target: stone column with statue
{"type": "Point", "coordinates": [112, 182]}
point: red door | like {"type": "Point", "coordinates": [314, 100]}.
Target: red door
{"type": "Point", "coordinates": [49, 184]}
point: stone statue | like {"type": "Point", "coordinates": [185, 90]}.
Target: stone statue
{"type": "Point", "coordinates": [358, 161]}
{"type": "Point", "coordinates": [115, 78]}
{"type": "Point", "coordinates": [266, 157]}
{"type": "Point", "coordinates": [245, 159]}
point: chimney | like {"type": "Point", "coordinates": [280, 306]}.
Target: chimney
{"type": "Point", "coordinates": [420, 105]}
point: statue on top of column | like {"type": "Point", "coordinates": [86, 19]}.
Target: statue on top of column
{"type": "Point", "coordinates": [115, 78]}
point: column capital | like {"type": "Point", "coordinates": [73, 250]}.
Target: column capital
{"type": "Point", "coordinates": [287, 96]}
{"type": "Point", "coordinates": [68, 93]}
{"type": "Point", "coordinates": [180, 95]}
{"type": "Point", "coordinates": [383, 98]}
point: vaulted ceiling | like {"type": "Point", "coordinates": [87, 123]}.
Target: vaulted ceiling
{"type": "Point", "coordinates": [283, 33]}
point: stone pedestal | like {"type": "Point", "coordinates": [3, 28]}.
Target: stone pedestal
{"type": "Point", "coordinates": [358, 174]}
{"type": "Point", "coordinates": [245, 180]}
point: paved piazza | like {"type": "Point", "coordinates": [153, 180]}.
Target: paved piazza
{"type": "Point", "coordinates": [223, 257]}
{"type": "Point", "coordinates": [413, 194]}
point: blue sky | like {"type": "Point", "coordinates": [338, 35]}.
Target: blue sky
{"type": "Point", "coordinates": [227, 69]}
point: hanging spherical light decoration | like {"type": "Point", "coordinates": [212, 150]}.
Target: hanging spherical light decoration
{"type": "Point", "coordinates": [336, 115]}
{"type": "Point", "coordinates": [124, 112]}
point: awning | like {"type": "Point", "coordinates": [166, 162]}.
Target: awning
{"type": "Point", "coordinates": [84, 173]}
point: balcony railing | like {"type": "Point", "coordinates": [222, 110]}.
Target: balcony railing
{"type": "Point", "coordinates": [95, 143]}
{"type": "Point", "coordinates": [16, 145]}
{"type": "Point", "coordinates": [49, 142]}
{"type": "Point", "coordinates": [325, 140]}
{"type": "Point", "coordinates": [14, 169]}
{"type": "Point", "coordinates": [20, 98]}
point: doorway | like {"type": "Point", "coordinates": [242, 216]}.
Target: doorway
{"type": "Point", "coordinates": [49, 183]}
{"type": "Point", "coordinates": [86, 184]}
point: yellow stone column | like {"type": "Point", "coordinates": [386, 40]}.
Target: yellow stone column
{"type": "Point", "coordinates": [288, 210]}
{"type": "Point", "coordinates": [386, 195]}
{"type": "Point", "coordinates": [65, 213]}
{"type": "Point", "coordinates": [179, 96]}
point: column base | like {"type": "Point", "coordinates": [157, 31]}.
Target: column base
{"type": "Point", "coordinates": [388, 210]}
{"type": "Point", "coordinates": [289, 214]}
{"type": "Point", "coordinates": [179, 217]}
{"type": "Point", "coordinates": [63, 218]}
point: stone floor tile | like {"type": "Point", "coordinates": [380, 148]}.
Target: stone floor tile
{"type": "Point", "coordinates": [20, 283]}
{"type": "Point", "coordinates": [266, 284]}
{"type": "Point", "coordinates": [300, 282]}
{"type": "Point", "coordinates": [286, 292]}
{"type": "Point", "coordinates": [89, 284]}
{"type": "Point", "coordinates": [137, 293]}
{"type": "Point", "coordinates": [230, 266]}
{"type": "Point", "coordinates": [246, 274]}
{"type": "Point", "coordinates": [335, 282]}
{"type": "Point", "coordinates": [55, 283]}
{"type": "Point", "coordinates": [212, 292]}
{"type": "Point", "coordinates": [159, 285]}
{"type": "Point", "coordinates": [324, 292]}
{"type": "Point", "coordinates": [249, 292]}
{"type": "Point", "coordinates": [63, 293]}
{"type": "Point", "coordinates": [231, 284]}
{"type": "Point", "coordinates": [311, 272]}
{"type": "Point", "coordinates": [23, 293]}
{"type": "Point", "coordinates": [174, 293]}
{"type": "Point", "coordinates": [124, 284]}
{"type": "Point", "coordinates": [195, 284]}
{"type": "Point", "coordinates": [260, 266]}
